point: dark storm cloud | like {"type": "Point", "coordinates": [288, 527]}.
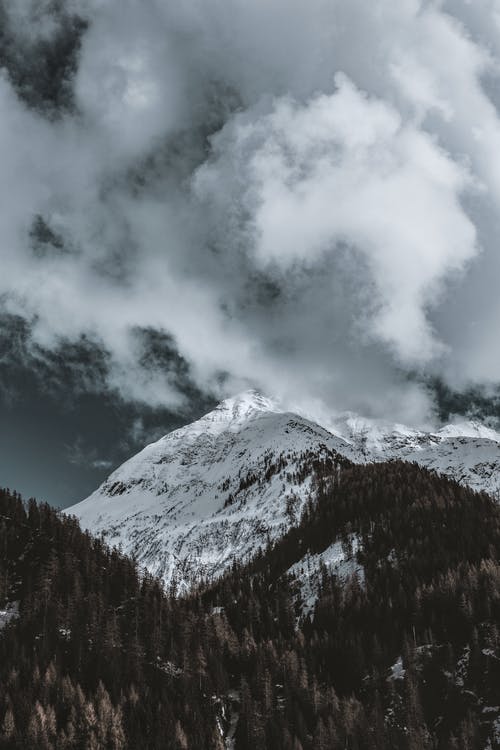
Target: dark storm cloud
{"type": "Point", "coordinates": [301, 196]}
{"type": "Point", "coordinates": [63, 427]}
{"type": "Point", "coordinates": [39, 45]}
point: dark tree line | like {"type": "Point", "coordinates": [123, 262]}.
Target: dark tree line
{"type": "Point", "coordinates": [407, 658]}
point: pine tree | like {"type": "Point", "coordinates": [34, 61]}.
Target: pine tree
{"type": "Point", "coordinates": [9, 724]}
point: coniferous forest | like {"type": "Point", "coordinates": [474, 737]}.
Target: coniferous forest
{"type": "Point", "coordinates": [406, 655]}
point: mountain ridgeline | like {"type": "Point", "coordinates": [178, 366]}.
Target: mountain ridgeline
{"type": "Point", "coordinates": [216, 490]}
{"type": "Point", "coordinates": [370, 623]}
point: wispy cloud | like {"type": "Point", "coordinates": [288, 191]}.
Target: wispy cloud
{"type": "Point", "coordinates": [79, 454]}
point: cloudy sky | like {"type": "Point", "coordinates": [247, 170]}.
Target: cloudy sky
{"type": "Point", "coordinates": [197, 197]}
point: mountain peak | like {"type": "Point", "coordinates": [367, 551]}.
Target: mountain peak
{"type": "Point", "coordinates": [243, 406]}
{"type": "Point", "coordinates": [471, 428]}
{"type": "Point", "coordinates": [213, 490]}
{"type": "Point", "coordinates": [230, 414]}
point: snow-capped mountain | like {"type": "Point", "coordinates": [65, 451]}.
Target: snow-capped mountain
{"type": "Point", "coordinates": [220, 488]}
{"type": "Point", "coordinates": [216, 490]}
{"type": "Point", "coordinates": [468, 451]}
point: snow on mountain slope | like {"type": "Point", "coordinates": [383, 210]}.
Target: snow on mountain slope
{"type": "Point", "coordinates": [339, 559]}
{"type": "Point", "coordinates": [216, 490]}
{"type": "Point", "coordinates": [468, 452]}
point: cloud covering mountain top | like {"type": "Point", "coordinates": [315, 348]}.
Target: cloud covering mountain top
{"type": "Point", "coordinates": [301, 196]}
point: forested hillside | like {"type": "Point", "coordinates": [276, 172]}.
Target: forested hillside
{"type": "Point", "coordinates": [403, 654]}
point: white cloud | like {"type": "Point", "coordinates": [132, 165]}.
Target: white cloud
{"type": "Point", "coordinates": [345, 169]}
{"type": "Point", "coordinates": [337, 228]}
